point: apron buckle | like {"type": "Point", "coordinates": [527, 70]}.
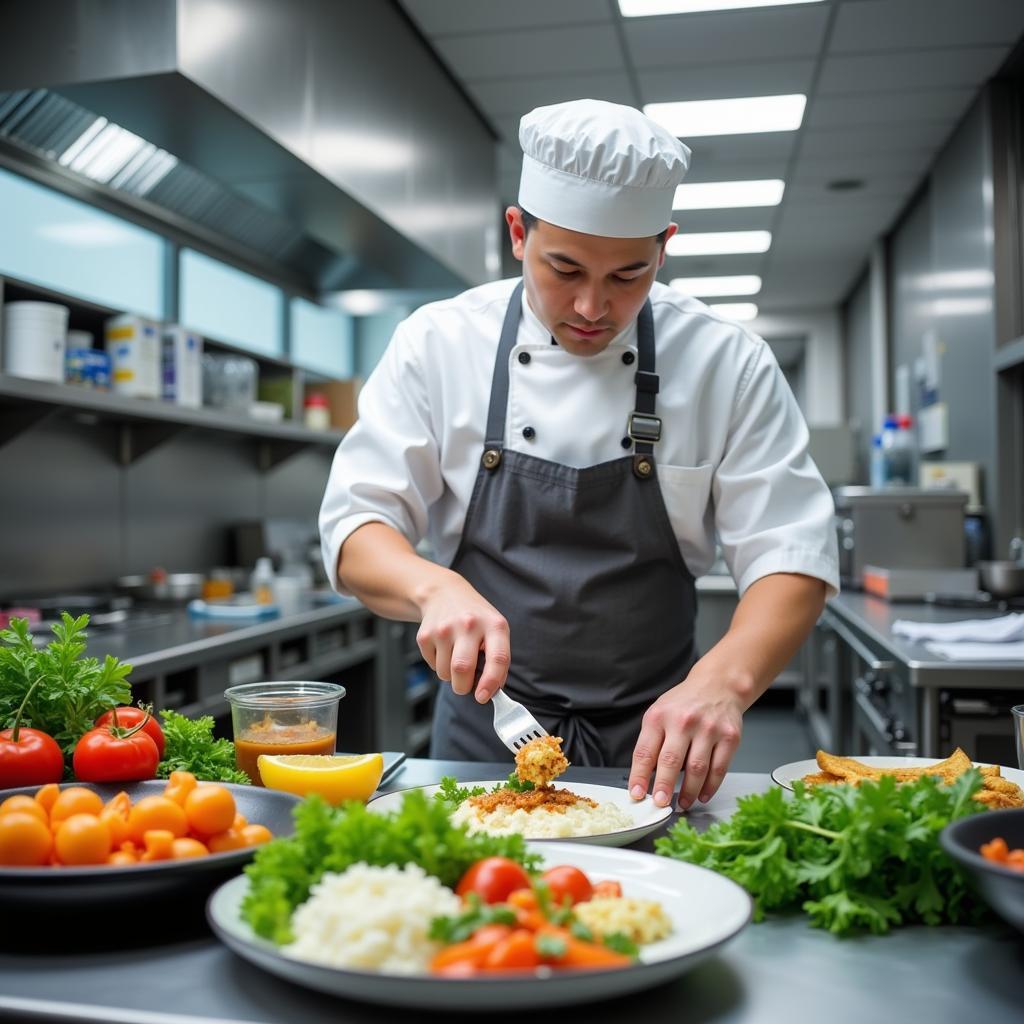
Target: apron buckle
{"type": "Point", "coordinates": [643, 467]}
{"type": "Point", "coordinates": [644, 427]}
{"type": "Point", "coordinates": [491, 458]}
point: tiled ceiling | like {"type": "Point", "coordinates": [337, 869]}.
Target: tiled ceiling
{"type": "Point", "coordinates": [886, 80]}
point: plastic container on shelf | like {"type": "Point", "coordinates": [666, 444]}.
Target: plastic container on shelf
{"type": "Point", "coordinates": [898, 447]}
{"type": "Point", "coordinates": [316, 412]}
{"type": "Point", "coordinates": [182, 366]}
{"type": "Point", "coordinates": [229, 382]}
{"type": "Point", "coordinates": [876, 470]}
{"type": "Point", "coordinates": [134, 346]}
{"type": "Point", "coordinates": [35, 339]}
{"type": "Point", "coordinates": [261, 583]}
{"type": "Point", "coordinates": [87, 367]}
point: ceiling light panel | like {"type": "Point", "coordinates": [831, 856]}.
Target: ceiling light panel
{"type": "Point", "coordinates": [652, 8]}
{"type": "Point", "coordinates": [726, 195]}
{"type": "Point", "coordinates": [718, 243]}
{"type": "Point", "coordinates": [712, 287]}
{"type": "Point", "coordinates": [742, 116]}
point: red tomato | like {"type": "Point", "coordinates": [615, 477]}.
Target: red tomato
{"type": "Point", "coordinates": [493, 878]}
{"type": "Point", "coordinates": [568, 881]}
{"type": "Point", "coordinates": [33, 759]}
{"type": "Point", "coordinates": [112, 754]}
{"type": "Point", "coordinates": [129, 717]}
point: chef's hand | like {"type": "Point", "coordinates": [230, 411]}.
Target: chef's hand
{"type": "Point", "coordinates": [458, 629]}
{"type": "Point", "coordinates": [693, 728]}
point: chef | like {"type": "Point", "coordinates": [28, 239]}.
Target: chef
{"type": "Point", "coordinates": [568, 445]}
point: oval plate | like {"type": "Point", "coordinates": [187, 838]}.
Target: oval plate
{"type": "Point", "coordinates": [82, 886]}
{"type": "Point", "coordinates": [786, 774]}
{"type": "Point", "coordinates": [707, 910]}
{"type": "Point", "coordinates": [646, 816]}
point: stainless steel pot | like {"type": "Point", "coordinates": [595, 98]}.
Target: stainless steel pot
{"type": "Point", "coordinates": [176, 586]}
{"type": "Point", "coordinates": [1002, 579]}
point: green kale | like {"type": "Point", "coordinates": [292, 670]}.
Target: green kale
{"type": "Point", "coordinates": [852, 858]}
{"type": "Point", "coordinates": [332, 839]}
{"type": "Point", "coordinates": [190, 747]}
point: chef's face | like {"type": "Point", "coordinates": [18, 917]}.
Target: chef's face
{"type": "Point", "coordinates": [584, 288]}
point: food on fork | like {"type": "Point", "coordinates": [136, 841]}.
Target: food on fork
{"type": "Point", "coordinates": [996, 792]}
{"type": "Point", "coordinates": [541, 761]}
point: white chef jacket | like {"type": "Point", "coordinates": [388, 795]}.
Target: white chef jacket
{"type": "Point", "coordinates": [732, 458]}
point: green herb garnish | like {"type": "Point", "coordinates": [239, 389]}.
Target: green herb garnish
{"type": "Point", "coordinates": [552, 946]}
{"type": "Point", "coordinates": [619, 942]}
{"type": "Point", "coordinates": [72, 691]}
{"type": "Point", "coordinates": [477, 914]}
{"type": "Point", "coordinates": [452, 793]}
{"type": "Point", "coordinates": [852, 858]}
{"type": "Point", "coordinates": [190, 747]}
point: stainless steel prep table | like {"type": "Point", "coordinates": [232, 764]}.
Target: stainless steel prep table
{"type": "Point", "coordinates": [775, 971]}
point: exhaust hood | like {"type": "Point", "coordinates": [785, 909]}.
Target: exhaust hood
{"type": "Point", "coordinates": [318, 141]}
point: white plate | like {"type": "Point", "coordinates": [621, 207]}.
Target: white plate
{"type": "Point", "coordinates": [645, 814]}
{"type": "Point", "coordinates": [706, 909]}
{"type": "Point", "coordinates": [786, 774]}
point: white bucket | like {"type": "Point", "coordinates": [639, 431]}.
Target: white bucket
{"type": "Point", "coordinates": [35, 337]}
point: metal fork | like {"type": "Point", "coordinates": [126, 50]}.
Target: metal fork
{"type": "Point", "coordinates": [514, 725]}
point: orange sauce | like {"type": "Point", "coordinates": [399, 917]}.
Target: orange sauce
{"type": "Point", "coordinates": [270, 737]}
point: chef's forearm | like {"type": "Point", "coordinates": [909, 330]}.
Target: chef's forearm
{"type": "Point", "coordinates": [380, 567]}
{"type": "Point", "coordinates": [771, 621]}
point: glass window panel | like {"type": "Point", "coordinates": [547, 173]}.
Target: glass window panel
{"type": "Point", "coordinates": [322, 339]}
{"type": "Point", "coordinates": [229, 305]}
{"type": "Point", "coordinates": [50, 239]}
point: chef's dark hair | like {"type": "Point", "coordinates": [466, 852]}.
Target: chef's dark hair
{"type": "Point", "coordinates": [529, 221]}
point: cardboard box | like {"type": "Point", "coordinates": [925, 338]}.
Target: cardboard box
{"type": "Point", "coordinates": [342, 400]}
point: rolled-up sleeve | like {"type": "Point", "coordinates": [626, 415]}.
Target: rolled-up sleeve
{"type": "Point", "coordinates": [773, 511]}
{"type": "Point", "coordinates": [386, 469]}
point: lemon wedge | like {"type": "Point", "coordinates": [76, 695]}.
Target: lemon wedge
{"type": "Point", "coordinates": [335, 777]}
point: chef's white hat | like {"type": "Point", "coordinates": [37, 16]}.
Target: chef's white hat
{"type": "Point", "coordinates": [599, 168]}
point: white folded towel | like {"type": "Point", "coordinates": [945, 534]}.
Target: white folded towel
{"type": "Point", "coordinates": [1002, 630]}
{"type": "Point", "coordinates": [980, 652]}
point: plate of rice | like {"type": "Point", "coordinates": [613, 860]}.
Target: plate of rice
{"type": "Point", "coordinates": [584, 813]}
{"type": "Point", "coordinates": [365, 933]}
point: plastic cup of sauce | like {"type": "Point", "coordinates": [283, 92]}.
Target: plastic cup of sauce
{"type": "Point", "coordinates": [283, 718]}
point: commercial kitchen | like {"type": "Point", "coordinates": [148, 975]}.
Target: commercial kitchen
{"type": "Point", "coordinates": [222, 220]}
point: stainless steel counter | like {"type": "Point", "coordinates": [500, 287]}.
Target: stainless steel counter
{"type": "Point", "coordinates": [780, 970]}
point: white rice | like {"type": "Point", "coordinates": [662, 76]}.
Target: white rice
{"type": "Point", "coordinates": [540, 823]}
{"type": "Point", "coordinates": [372, 918]}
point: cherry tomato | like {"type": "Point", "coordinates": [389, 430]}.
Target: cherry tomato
{"type": "Point", "coordinates": [210, 809]}
{"type": "Point", "coordinates": [232, 839]}
{"type": "Point", "coordinates": [493, 878]}
{"type": "Point", "coordinates": [74, 800]}
{"type": "Point", "coordinates": [82, 839]}
{"type": "Point", "coordinates": [566, 881]}
{"type": "Point", "coordinates": [25, 841]}
{"type": "Point", "coordinates": [128, 718]}
{"type": "Point", "coordinates": [26, 804]}
{"type": "Point", "coordinates": [187, 848]}
{"type": "Point", "coordinates": [113, 754]}
{"type": "Point", "coordinates": [29, 757]}
{"type": "Point", "coordinates": [256, 835]}
{"type": "Point", "coordinates": [607, 890]}
{"type": "Point", "coordinates": [156, 813]}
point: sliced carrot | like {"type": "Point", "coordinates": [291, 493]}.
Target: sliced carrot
{"type": "Point", "coordinates": [607, 890]}
{"type": "Point", "coordinates": [473, 951]}
{"type": "Point", "coordinates": [590, 954]}
{"type": "Point", "coordinates": [995, 850]}
{"type": "Point", "coordinates": [518, 951]}
{"type": "Point", "coordinates": [524, 899]}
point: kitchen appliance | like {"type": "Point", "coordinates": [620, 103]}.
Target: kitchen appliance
{"type": "Point", "coordinates": [1002, 579]}
{"type": "Point", "coordinates": [914, 584]}
{"type": "Point", "coordinates": [898, 528]}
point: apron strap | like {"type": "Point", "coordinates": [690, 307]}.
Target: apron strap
{"type": "Point", "coordinates": [498, 409]}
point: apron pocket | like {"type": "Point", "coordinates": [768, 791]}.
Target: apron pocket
{"type": "Point", "coordinates": [686, 490]}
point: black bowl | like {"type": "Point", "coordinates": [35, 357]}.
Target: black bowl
{"type": "Point", "coordinates": [1001, 887]}
{"type": "Point", "coordinates": [69, 888]}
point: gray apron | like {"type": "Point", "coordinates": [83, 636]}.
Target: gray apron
{"type": "Point", "coordinates": [584, 565]}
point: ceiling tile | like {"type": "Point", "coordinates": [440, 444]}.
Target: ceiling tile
{"type": "Point", "coordinates": [756, 218]}
{"type": "Point", "coordinates": [946, 105]}
{"type": "Point", "coordinates": [742, 148]}
{"type": "Point", "coordinates": [533, 52]}
{"type": "Point", "coordinates": [889, 138]}
{"type": "Point", "coordinates": [709, 167]}
{"type": "Point", "coordinates": [918, 24]}
{"type": "Point", "coordinates": [726, 36]}
{"type": "Point", "coordinates": [439, 17]}
{"type": "Point", "coordinates": [906, 166]}
{"type": "Point", "coordinates": [711, 266]}
{"type": "Point", "coordinates": [503, 96]}
{"type": "Point", "coordinates": [925, 69]}
{"type": "Point", "coordinates": [776, 78]}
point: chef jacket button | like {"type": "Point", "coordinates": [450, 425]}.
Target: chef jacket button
{"type": "Point", "coordinates": [628, 357]}
{"type": "Point", "coordinates": [529, 433]}
{"type": "Point", "coordinates": [627, 442]}
{"type": "Point", "coordinates": [524, 357]}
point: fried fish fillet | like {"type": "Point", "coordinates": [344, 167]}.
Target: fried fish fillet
{"type": "Point", "coordinates": [822, 778]}
{"type": "Point", "coordinates": [541, 761]}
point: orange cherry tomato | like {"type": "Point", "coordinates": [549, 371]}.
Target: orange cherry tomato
{"type": "Point", "coordinates": [117, 822]}
{"type": "Point", "coordinates": [256, 835]}
{"type": "Point", "coordinates": [179, 785]}
{"type": "Point", "coordinates": [47, 796]}
{"type": "Point", "coordinates": [75, 800]}
{"type": "Point", "coordinates": [82, 839]}
{"type": "Point", "coordinates": [223, 842]}
{"type": "Point", "coordinates": [159, 844]}
{"type": "Point", "coordinates": [25, 841]}
{"type": "Point", "coordinates": [122, 859]}
{"type": "Point", "coordinates": [187, 848]}
{"type": "Point", "coordinates": [240, 821]}
{"type": "Point", "coordinates": [156, 813]}
{"type": "Point", "coordinates": [210, 809]}
{"type": "Point", "coordinates": [27, 805]}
